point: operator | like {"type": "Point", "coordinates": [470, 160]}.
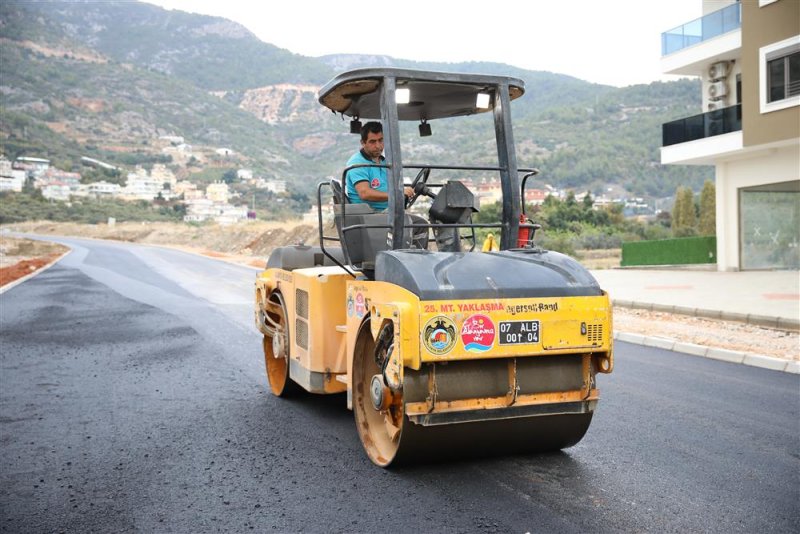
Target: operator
{"type": "Point", "coordinates": [370, 184]}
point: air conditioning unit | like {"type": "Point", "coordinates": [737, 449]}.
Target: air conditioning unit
{"type": "Point", "coordinates": [718, 70]}
{"type": "Point", "coordinates": [716, 104]}
{"type": "Point", "coordinates": [717, 90]}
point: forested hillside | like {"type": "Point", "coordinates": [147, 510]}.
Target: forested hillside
{"type": "Point", "coordinates": [106, 79]}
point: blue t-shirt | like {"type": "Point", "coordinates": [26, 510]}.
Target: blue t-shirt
{"type": "Point", "coordinates": [376, 177]}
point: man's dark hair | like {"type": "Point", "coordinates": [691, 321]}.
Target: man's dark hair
{"type": "Point", "coordinates": [370, 127]}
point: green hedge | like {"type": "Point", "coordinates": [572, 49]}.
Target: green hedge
{"type": "Point", "coordinates": [679, 251]}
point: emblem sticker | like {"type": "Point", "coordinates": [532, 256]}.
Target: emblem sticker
{"type": "Point", "coordinates": [375, 183]}
{"type": "Point", "coordinates": [478, 333]}
{"type": "Point", "coordinates": [439, 335]}
{"type": "Point", "coordinates": [361, 307]}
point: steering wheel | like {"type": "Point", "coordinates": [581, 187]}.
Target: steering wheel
{"type": "Point", "coordinates": [418, 184]}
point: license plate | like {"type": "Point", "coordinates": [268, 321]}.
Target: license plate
{"type": "Point", "coordinates": [519, 332]}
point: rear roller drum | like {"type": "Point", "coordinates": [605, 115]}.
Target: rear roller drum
{"type": "Point", "coordinates": [276, 347]}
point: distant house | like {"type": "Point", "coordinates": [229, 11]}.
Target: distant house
{"type": "Point", "coordinates": [10, 179]}
{"type": "Point", "coordinates": [161, 172]}
{"type": "Point", "coordinates": [188, 190]}
{"type": "Point", "coordinates": [56, 191]}
{"type": "Point", "coordinates": [15, 182]}
{"type": "Point", "coordinates": [141, 186]}
{"type": "Point", "coordinates": [535, 196]}
{"type": "Point", "coordinates": [218, 192]}
{"type": "Point", "coordinates": [204, 209]}
{"type": "Point", "coordinates": [103, 189]}
{"type": "Point", "coordinates": [276, 186]}
{"type": "Point", "coordinates": [173, 139]}
{"type": "Point", "coordinates": [5, 167]}
{"type": "Point", "coordinates": [224, 152]}
{"type": "Point", "coordinates": [53, 175]}
{"type": "Point", "coordinates": [35, 164]}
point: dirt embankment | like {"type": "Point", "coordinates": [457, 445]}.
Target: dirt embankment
{"type": "Point", "coordinates": [20, 257]}
{"type": "Point", "coordinates": [243, 242]}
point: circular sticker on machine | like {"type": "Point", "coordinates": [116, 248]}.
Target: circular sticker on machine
{"type": "Point", "coordinates": [361, 306]}
{"type": "Point", "coordinates": [478, 333]}
{"type": "Point", "coordinates": [439, 335]}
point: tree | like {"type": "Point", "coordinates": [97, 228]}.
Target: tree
{"type": "Point", "coordinates": [684, 217]}
{"type": "Point", "coordinates": [708, 209]}
{"type": "Point", "coordinates": [229, 176]}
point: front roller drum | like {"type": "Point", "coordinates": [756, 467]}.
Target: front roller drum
{"type": "Point", "coordinates": [389, 437]}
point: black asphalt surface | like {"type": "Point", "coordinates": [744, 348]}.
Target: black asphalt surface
{"type": "Point", "coordinates": [133, 399]}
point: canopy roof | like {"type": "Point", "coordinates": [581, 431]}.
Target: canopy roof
{"type": "Point", "coordinates": [433, 95]}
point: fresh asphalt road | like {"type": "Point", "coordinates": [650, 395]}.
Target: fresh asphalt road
{"type": "Point", "coordinates": [133, 398]}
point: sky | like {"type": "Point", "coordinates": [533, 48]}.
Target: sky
{"type": "Point", "coordinates": [612, 42]}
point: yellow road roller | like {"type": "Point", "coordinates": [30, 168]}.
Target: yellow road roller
{"type": "Point", "coordinates": [443, 343]}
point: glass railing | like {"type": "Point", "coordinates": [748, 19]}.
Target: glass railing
{"type": "Point", "coordinates": [717, 122]}
{"type": "Point", "coordinates": [721, 21]}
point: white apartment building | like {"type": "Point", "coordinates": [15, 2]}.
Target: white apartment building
{"type": "Point", "coordinates": [14, 183]}
{"type": "Point", "coordinates": [162, 172]}
{"type": "Point", "coordinates": [203, 209]}
{"type": "Point", "coordinates": [36, 165]}
{"type": "Point", "coordinates": [747, 55]}
{"type": "Point", "coordinates": [218, 192]}
{"type": "Point", "coordinates": [10, 179]}
{"type": "Point", "coordinates": [140, 185]}
{"type": "Point", "coordinates": [188, 190]}
{"type": "Point", "coordinates": [56, 191]}
{"type": "Point", "coordinates": [103, 189]}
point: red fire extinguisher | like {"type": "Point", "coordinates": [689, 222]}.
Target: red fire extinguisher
{"type": "Point", "coordinates": [524, 234]}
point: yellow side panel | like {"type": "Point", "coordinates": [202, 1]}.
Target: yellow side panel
{"type": "Point", "coordinates": [318, 307]}
{"type": "Point", "coordinates": [381, 300]}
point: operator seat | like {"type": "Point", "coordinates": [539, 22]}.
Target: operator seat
{"type": "Point", "coordinates": [362, 244]}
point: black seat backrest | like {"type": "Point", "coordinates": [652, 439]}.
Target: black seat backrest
{"type": "Point", "coordinates": [361, 244]}
{"type": "Point", "coordinates": [338, 194]}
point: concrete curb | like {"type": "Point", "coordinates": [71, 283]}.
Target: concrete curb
{"type": "Point", "coordinates": [780, 323]}
{"type": "Point", "coordinates": [725, 355]}
{"type": "Point", "coordinates": [18, 281]}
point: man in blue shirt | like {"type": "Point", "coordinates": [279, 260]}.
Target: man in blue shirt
{"type": "Point", "coordinates": [370, 184]}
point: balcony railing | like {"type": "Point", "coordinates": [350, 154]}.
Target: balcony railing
{"type": "Point", "coordinates": [721, 21]}
{"type": "Point", "coordinates": [717, 122]}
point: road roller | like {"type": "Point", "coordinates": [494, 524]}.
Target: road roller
{"type": "Point", "coordinates": [448, 336]}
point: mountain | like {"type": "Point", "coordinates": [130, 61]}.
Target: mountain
{"type": "Point", "coordinates": [107, 79]}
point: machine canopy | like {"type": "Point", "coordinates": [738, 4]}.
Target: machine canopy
{"type": "Point", "coordinates": [431, 95]}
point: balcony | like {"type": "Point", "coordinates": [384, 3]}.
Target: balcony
{"type": "Point", "coordinates": [712, 25]}
{"type": "Point", "coordinates": [717, 122]}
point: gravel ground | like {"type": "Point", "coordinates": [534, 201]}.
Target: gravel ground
{"type": "Point", "coordinates": [709, 332]}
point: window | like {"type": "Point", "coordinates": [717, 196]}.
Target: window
{"type": "Point", "coordinates": [779, 73]}
{"type": "Point", "coordinates": [783, 77]}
